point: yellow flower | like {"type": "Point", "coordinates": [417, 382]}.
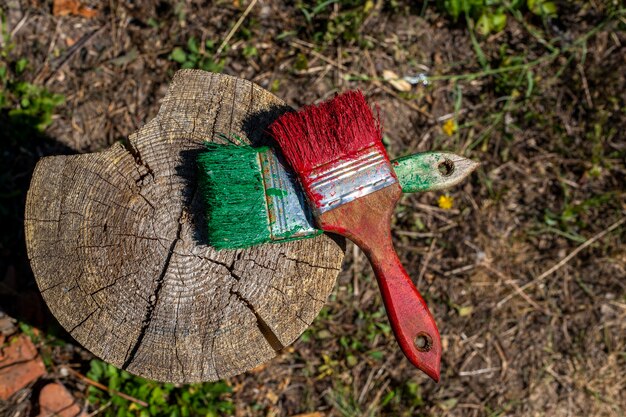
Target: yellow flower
{"type": "Point", "coordinates": [445, 202]}
{"type": "Point", "coordinates": [450, 127]}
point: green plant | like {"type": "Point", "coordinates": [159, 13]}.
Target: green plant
{"type": "Point", "coordinates": [519, 77]}
{"type": "Point", "coordinates": [25, 104]}
{"type": "Point", "coordinates": [250, 51]}
{"type": "Point", "coordinates": [29, 104]}
{"type": "Point", "coordinates": [328, 26]}
{"type": "Point", "coordinates": [491, 15]}
{"type": "Point", "coordinates": [576, 216]}
{"type": "Point", "coordinates": [542, 7]}
{"type": "Point", "coordinates": [197, 56]}
{"type": "Point", "coordinates": [208, 399]}
{"type": "Point", "coordinates": [342, 399]}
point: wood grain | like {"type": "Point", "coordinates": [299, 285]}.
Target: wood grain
{"type": "Point", "coordinates": [115, 243]}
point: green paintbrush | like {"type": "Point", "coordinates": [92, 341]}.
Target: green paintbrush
{"type": "Point", "coordinates": [252, 197]}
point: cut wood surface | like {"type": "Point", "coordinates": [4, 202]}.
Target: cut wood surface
{"type": "Point", "coordinates": [115, 240]}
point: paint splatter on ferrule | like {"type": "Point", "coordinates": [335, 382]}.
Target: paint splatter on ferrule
{"type": "Point", "coordinates": [287, 210]}
{"type": "Point", "coordinates": [342, 181]}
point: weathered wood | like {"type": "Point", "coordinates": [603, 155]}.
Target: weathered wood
{"type": "Point", "coordinates": [115, 243]}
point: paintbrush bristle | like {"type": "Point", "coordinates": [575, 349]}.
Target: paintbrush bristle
{"type": "Point", "coordinates": [232, 189]}
{"type": "Point", "coordinates": [318, 134]}
{"type": "Point", "coordinates": [250, 198]}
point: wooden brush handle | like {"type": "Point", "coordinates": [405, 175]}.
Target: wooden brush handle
{"type": "Point", "coordinates": [412, 322]}
{"type": "Point", "coordinates": [367, 222]}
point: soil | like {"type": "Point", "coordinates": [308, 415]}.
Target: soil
{"type": "Point", "coordinates": [526, 273]}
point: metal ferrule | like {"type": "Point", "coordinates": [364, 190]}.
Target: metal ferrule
{"type": "Point", "coordinates": [288, 212]}
{"type": "Point", "coordinates": [341, 182]}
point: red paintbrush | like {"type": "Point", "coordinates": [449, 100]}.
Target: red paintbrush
{"type": "Point", "coordinates": [336, 150]}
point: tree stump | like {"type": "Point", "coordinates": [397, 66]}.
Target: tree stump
{"type": "Point", "coordinates": [115, 240]}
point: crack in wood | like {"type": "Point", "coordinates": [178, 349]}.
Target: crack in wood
{"type": "Point", "coordinates": [155, 297]}
{"type": "Point", "coordinates": [309, 264]}
{"type": "Point", "coordinates": [180, 363]}
{"type": "Point", "coordinates": [128, 145]}
{"type": "Point", "coordinates": [83, 321]}
{"type": "Point", "coordinates": [264, 328]}
{"type": "Point", "coordinates": [115, 281]}
{"type": "Point", "coordinates": [314, 298]}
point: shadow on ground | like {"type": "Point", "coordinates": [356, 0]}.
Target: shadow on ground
{"type": "Point", "coordinates": [22, 146]}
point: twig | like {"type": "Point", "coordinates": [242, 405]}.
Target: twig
{"type": "Point", "coordinates": [100, 410]}
{"type": "Point", "coordinates": [494, 71]}
{"type": "Point", "coordinates": [583, 78]}
{"type": "Point", "coordinates": [513, 284]}
{"type": "Point", "coordinates": [316, 54]}
{"type": "Point", "coordinates": [376, 398]}
{"type": "Point", "coordinates": [234, 28]}
{"type": "Point", "coordinates": [70, 53]}
{"type": "Point", "coordinates": [459, 270]}
{"type": "Point", "coordinates": [414, 234]}
{"type": "Point", "coordinates": [478, 371]}
{"type": "Point", "coordinates": [105, 388]}
{"type": "Point", "coordinates": [426, 261]}
{"type": "Point", "coordinates": [355, 266]}
{"type": "Point", "coordinates": [406, 102]}
{"type": "Point", "coordinates": [504, 363]}
{"type": "Point", "coordinates": [563, 261]}
{"type": "Point", "coordinates": [368, 381]}
{"type": "Point", "coordinates": [19, 24]}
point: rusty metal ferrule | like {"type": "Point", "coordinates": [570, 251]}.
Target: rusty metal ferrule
{"type": "Point", "coordinates": [287, 209]}
{"type": "Point", "coordinates": [341, 182]}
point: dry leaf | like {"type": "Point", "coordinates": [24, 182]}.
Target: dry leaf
{"type": "Point", "coordinates": [72, 7]}
{"type": "Point", "coordinates": [285, 382]}
{"type": "Point", "coordinates": [259, 368]}
{"type": "Point", "coordinates": [314, 414]}
{"type": "Point", "coordinates": [272, 397]}
{"type": "Point", "coordinates": [395, 81]}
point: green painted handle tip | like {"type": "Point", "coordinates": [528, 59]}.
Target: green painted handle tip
{"type": "Point", "coordinates": [431, 171]}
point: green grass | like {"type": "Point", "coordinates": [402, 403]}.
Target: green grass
{"type": "Point", "coordinates": [167, 400]}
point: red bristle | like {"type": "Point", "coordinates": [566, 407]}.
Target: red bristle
{"type": "Point", "coordinates": [333, 130]}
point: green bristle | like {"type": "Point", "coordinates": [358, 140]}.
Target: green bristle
{"type": "Point", "coordinates": [234, 195]}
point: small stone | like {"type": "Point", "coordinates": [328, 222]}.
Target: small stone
{"type": "Point", "coordinates": [56, 400]}
{"type": "Point", "coordinates": [324, 334]}
{"type": "Point", "coordinates": [395, 81]}
{"type": "Point", "coordinates": [20, 365]}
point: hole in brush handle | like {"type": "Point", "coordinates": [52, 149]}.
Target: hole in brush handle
{"type": "Point", "coordinates": [423, 342]}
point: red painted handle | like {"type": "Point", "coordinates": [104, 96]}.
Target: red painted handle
{"type": "Point", "coordinates": [367, 222]}
{"type": "Point", "coordinates": [412, 323]}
